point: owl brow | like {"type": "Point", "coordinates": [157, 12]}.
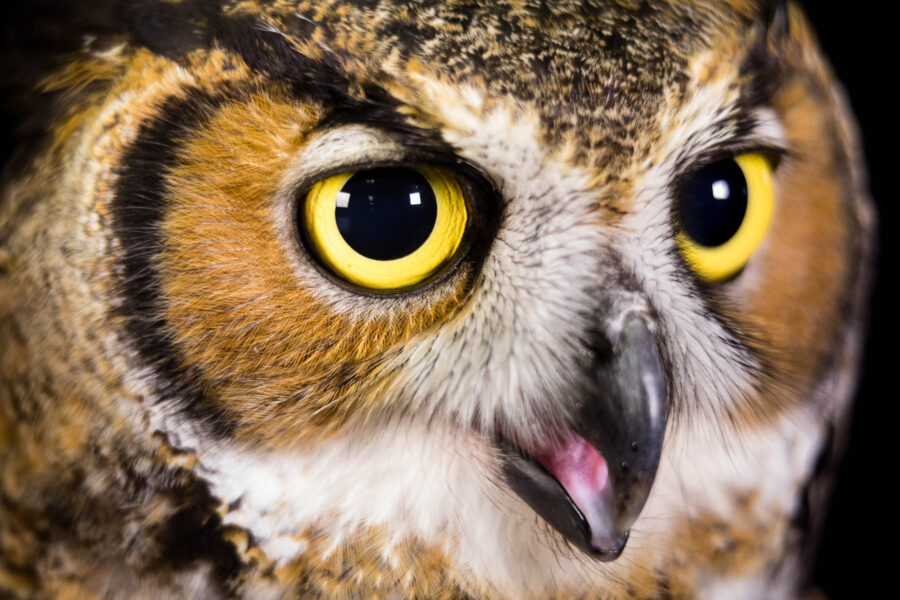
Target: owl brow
{"type": "Point", "coordinates": [175, 30]}
{"type": "Point", "coordinates": [759, 75]}
{"type": "Point", "coordinates": [324, 80]}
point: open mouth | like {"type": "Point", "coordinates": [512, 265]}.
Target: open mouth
{"type": "Point", "coordinates": [568, 485]}
{"type": "Point", "coordinates": [591, 483]}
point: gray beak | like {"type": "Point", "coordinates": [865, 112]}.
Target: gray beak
{"type": "Point", "coordinates": [618, 433]}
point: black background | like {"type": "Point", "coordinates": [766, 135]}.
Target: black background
{"type": "Point", "coordinates": [858, 545]}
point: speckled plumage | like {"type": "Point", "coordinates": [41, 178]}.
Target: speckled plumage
{"type": "Point", "coordinates": [191, 407]}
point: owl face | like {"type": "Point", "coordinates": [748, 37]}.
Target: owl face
{"type": "Point", "coordinates": [513, 286]}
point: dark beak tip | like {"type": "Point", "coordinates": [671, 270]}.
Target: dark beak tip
{"type": "Point", "coordinates": [608, 550]}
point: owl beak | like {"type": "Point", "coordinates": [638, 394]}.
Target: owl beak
{"type": "Point", "coordinates": [593, 483]}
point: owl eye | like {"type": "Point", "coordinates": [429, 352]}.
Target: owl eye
{"type": "Point", "coordinates": [385, 228]}
{"type": "Point", "coordinates": [723, 212]}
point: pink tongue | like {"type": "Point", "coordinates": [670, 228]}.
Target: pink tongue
{"type": "Point", "coordinates": [579, 468]}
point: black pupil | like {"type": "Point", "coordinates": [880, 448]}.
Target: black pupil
{"type": "Point", "coordinates": [386, 213]}
{"type": "Point", "coordinates": [713, 203]}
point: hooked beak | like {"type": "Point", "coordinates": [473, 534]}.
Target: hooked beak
{"type": "Point", "coordinates": [592, 484]}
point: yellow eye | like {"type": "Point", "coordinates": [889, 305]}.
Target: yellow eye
{"type": "Point", "coordinates": [724, 211]}
{"type": "Point", "coordinates": [386, 228]}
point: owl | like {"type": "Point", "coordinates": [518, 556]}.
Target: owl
{"type": "Point", "coordinates": [501, 300]}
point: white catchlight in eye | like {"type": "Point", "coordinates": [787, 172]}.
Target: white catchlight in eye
{"type": "Point", "coordinates": [720, 190]}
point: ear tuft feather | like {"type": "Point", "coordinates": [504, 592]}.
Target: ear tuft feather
{"type": "Point", "coordinates": [776, 17]}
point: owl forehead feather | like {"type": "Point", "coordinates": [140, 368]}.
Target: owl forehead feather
{"type": "Point", "coordinates": [610, 65]}
{"type": "Point", "coordinates": [597, 73]}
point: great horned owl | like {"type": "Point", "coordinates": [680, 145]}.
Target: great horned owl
{"type": "Point", "coordinates": [494, 300]}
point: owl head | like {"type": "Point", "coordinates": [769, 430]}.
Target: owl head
{"type": "Point", "coordinates": [524, 299]}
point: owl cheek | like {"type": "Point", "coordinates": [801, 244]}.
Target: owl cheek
{"type": "Point", "coordinates": [593, 481]}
